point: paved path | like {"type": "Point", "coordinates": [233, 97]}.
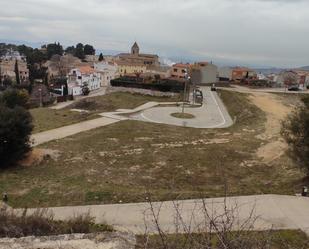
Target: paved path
{"type": "Point", "coordinates": [272, 211]}
{"type": "Point", "coordinates": [66, 131]}
{"type": "Point", "coordinates": [212, 114]}
{"type": "Point", "coordinates": [244, 89]}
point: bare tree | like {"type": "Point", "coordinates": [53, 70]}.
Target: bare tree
{"type": "Point", "coordinates": [205, 228]}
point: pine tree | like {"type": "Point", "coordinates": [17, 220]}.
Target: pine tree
{"type": "Point", "coordinates": [101, 58]}
{"type": "Point", "coordinates": [17, 73]}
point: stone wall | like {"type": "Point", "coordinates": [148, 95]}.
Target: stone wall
{"type": "Point", "coordinates": [73, 241]}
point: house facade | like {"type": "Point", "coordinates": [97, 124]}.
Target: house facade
{"type": "Point", "coordinates": [135, 57]}
{"type": "Point", "coordinates": [180, 71]}
{"type": "Point", "coordinates": [130, 68]}
{"type": "Point", "coordinates": [84, 76]}
{"type": "Point", "coordinates": [204, 73]}
{"type": "Point", "coordinates": [225, 74]}
{"type": "Point", "coordinates": [242, 73]}
{"type": "Point", "coordinates": [8, 64]}
{"type": "Point", "coordinates": [107, 70]}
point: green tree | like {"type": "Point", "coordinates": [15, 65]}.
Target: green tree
{"type": "Point", "coordinates": [296, 132]}
{"type": "Point", "coordinates": [15, 127]}
{"type": "Point", "coordinates": [53, 49]}
{"type": "Point", "coordinates": [70, 50]}
{"type": "Point", "coordinates": [13, 97]}
{"type": "Point", "coordinates": [79, 51]}
{"type": "Point", "coordinates": [89, 50]}
{"type": "Point", "coordinates": [101, 58]}
{"type": "Point", "coordinates": [17, 73]}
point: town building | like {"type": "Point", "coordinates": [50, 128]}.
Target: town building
{"type": "Point", "coordinates": [225, 74]}
{"type": "Point", "coordinates": [107, 70]}
{"type": "Point", "coordinates": [243, 73]}
{"type": "Point", "coordinates": [60, 66]}
{"type": "Point", "coordinates": [163, 71]}
{"type": "Point", "coordinates": [80, 77]}
{"type": "Point", "coordinates": [135, 57]}
{"type": "Point", "coordinates": [130, 68]}
{"type": "Point", "coordinates": [8, 67]}
{"type": "Point", "coordinates": [204, 73]}
{"type": "Point", "coordinates": [180, 71]}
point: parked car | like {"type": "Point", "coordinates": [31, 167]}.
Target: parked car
{"type": "Point", "coordinates": [294, 88]}
{"type": "Point", "coordinates": [198, 96]}
{"type": "Point", "coordinates": [213, 88]}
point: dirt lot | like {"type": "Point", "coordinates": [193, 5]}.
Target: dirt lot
{"type": "Point", "coordinates": [123, 161]}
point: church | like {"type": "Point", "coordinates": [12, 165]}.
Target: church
{"type": "Point", "coordinates": [136, 58]}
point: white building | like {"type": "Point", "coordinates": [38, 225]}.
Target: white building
{"type": "Point", "coordinates": [84, 76]}
{"type": "Point", "coordinates": [107, 71]}
{"type": "Point", "coordinates": [261, 76]}
{"type": "Point", "coordinates": [225, 73]}
{"type": "Point", "coordinates": [204, 73]}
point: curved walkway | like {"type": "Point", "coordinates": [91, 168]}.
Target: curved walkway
{"type": "Point", "coordinates": [212, 114]}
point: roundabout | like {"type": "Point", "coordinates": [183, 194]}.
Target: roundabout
{"type": "Point", "coordinates": [212, 114]}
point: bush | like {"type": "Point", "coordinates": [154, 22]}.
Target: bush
{"type": "Point", "coordinates": [13, 97]}
{"type": "Point", "coordinates": [296, 132]}
{"type": "Point", "coordinates": [42, 223]}
{"type": "Point", "coordinates": [15, 129]}
{"type": "Point", "coordinates": [164, 85]}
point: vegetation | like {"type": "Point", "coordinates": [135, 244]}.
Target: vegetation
{"type": "Point", "coordinates": [285, 239]}
{"type": "Point", "coordinates": [13, 97]}
{"type": "Point", "coordinates": [296, 132]}
{"type": "Point", "coordinates": [42, 223]}
{"type": "Point", "coordinates": [101, 58]}
{"type": "Point", "coordinates": [15, 127]}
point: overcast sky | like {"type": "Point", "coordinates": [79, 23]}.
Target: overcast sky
{"type": "Point", "coordinates": [252, 32]}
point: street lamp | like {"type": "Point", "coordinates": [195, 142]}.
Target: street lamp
{"type": "Point", "coordinates": [40, 91]}
{"type": "Point", "coordinates": [187, 78]}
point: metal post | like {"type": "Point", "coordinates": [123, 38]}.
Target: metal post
{"type": "Point", "coordinates": [184, 98]}
{"type": "Point", "coordinates": [41, 104]}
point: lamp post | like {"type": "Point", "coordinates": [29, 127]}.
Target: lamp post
{"type": "Point", "coordinates": [40, 91]}
{"type": "Point", "coordinates": [187, 78]}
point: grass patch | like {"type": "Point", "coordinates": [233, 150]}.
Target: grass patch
{"type": "Point", "coordinates": [285, 239]}
{"type": "Point", "coordinates": [118, 100]}
{"type": "Point", "coordinates": [182, 115]}
{"type": "Point", "coordinates": [42, 223]}
{"type": "Point", "coordinates": [47, 119]}
{"type": "Point", "coordinates": [119, 162]}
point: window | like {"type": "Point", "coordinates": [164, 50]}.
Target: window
{"type": "Point", "coordinates": [183, 71]}
{"type": "Point", "coordinates": [175, 70]}
{"type": "Point", "coordinates": [79, 77]}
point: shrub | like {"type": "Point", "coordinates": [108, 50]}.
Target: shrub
{"type": "Point", "coordinates": [42, 223]}
{"type": "Point", "coordinates": [296, 132]}
{"type": "Point", "coordinates": [13, 97]}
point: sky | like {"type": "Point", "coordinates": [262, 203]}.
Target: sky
{"type": "Point", "coordinates": [227, 32]}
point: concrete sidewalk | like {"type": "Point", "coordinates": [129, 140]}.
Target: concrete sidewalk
{"type": "Point", "coordinates": [273, 211]}
{"type": "Point", "coordinates": [66, 131]}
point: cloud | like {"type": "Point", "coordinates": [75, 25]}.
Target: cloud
{"type": "Point", "coordinates": [266, 32]}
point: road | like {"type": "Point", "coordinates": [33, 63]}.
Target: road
{"type": "Point", "coordinates": [271, 211]}
{"type": "Point", "coordinates": [212, 114]}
